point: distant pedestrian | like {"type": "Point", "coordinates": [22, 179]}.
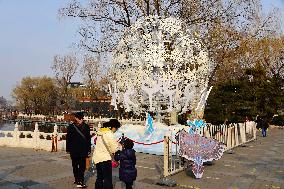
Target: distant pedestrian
{"type": "Point", "coordinates": [127, 159]}
{"type": "Point", "coordinates": [106, 146]}
{"type": "Point", "coordinates": [78, 144]}
{"type": "Point", "coordinates": [262, 123]}
{"type": "Point", "coordinates": [265, 126]}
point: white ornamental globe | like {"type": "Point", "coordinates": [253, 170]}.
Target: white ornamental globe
{"type": "Point", "coordinates": [159, 66]}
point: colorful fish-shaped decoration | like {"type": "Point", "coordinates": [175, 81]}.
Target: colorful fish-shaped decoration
{"type": "Point", "coordinates": [199, 150]}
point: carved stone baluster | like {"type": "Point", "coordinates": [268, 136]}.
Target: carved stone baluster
{"type": "Point", "coordinates": [35, 135]}
{"type": "Point", "coordinates": [16, 134]}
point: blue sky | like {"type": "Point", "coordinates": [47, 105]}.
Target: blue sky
{"type": "Point", "coordinates": [31, 34]}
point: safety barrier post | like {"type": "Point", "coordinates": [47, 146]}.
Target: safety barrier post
{"type": "Point", "coordinates": [166, 156]}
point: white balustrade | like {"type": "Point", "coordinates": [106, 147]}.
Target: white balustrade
{"type": "Point", "coordinates": [41, 140]}
{"type": "Point", "coordinates": [89, 119]}
{"type": "Point", "coordinates": [31, 116]}
{"type": "Point", "coordinates": [31, 139]}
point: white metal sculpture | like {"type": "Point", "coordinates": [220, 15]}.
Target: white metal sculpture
{"type": "Point", "coordinates": [160, 66]}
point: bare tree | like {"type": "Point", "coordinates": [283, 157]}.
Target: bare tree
{"type": "Point", "coordinates": [261, 44]}
{"type": "Point", "coordinates": [4, 103]}
{"type": "Point", "coordinates": [91, 72]}
{"type": "Point", "coordinates": [64, 69]}
{"type": "Point", "coordinates": [108, 19]}
{"type": "Point", "coordinates": [225, 27]}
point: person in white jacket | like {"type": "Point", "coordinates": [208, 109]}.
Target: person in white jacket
{"type": "Point", "coordinates": [106, 146]}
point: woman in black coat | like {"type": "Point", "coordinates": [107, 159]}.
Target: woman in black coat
{"type": "Point", "coordinates": [127, 159]}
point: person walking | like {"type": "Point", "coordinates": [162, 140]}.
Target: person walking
{"type": "Point", "coordinates": [78, 144]}
{"type": "Point", "coordinates": [262, 123]}
{"type": "Point", "coordinates": [264, 126]}
{"type": "Point", "coordinates": [127, 159]}
{"type": "Point", "coordinates": [106, 146]}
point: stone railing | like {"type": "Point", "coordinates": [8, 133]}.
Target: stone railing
{"type": "Point", "coordinates": [89, 119]}
{"type": "Point", "coordinates": [122, 121]}
{"type": "Point", "coordinates": [35, 139]}
{"type": "Point", "coordinates": [31, 116]}
{"type": "Point", "coordinates": [32, 139]}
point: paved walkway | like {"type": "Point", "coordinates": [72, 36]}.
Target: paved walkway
{"type": "Point", "coordinates": [258, 165]}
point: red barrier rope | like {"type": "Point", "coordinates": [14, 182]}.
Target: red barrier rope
{"type": "Point", "coordinates": [173, 141]}
{"type": "Point", "coordinates": [145, 144]}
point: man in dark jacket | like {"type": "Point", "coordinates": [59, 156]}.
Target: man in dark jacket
{"type": "Point", "coordinates": [78, 144]}
{"type": "Point", "coordinates": [262, 123]}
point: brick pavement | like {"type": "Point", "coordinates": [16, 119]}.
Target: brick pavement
{"type": "Point", "coordinates": [258, 165]}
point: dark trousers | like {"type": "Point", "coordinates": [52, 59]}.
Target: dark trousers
{"type": "Point", "coordinates": [79, 166]}
{"type": "Point", "coordinates": [263, 132]}
{"type": "Point", "coordinates": [128, 185]}
{"type": "Point", "coordinates": [104, 175]}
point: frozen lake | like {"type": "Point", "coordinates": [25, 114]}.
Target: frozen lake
{"type": "Point", "coordinates": [7, 126]}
